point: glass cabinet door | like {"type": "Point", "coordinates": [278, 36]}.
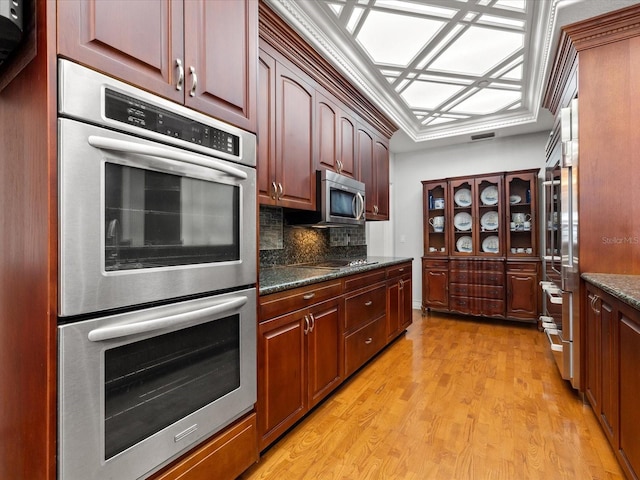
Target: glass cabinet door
{"type": "Point", "coordinates": [522, 218]}
{"type": "Point", "coordinates": [436, 200]}
{"type": "Point", "coordinates": [489, 216]}
{"type": "Point", "coordinates": [462, 209]}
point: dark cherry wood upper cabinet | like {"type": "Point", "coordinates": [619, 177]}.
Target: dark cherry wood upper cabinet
{"type": "Point", "coordinates": [221, 44]}
{"type": "Point", "coordinates": [327, 115]}
{"type": "Point", "coordinates": [365, 161]}
{"type": "Point", "coordinates": [295, 157]}
{"type": "Point", "coordinates": [381, 165]}
{"type": "Point", "coordinates": [336, 137]}
{"type": "Point", "coordinates": [267, 187]}
{"type": "Point", "coordinates": [110, 36]}
{"type": "Point", "coordinates": [199, 53]}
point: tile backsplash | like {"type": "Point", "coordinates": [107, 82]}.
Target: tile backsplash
{"type": "Point", "coordinates": [284, 245]}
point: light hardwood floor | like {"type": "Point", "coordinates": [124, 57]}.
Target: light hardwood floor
{"type": "Point", "coordinates": [452, 399]}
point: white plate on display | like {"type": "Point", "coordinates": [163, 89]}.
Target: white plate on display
{"type": "Point", "coordinates": [513, 199]}
{"type": "Point", "coordinates": [491, 244]}
{"type": "Point", "coordinates": [463, 197]}
{"type": "Point", "coordinates": [462, 221]}
{"type": "Point", "coordinates": [489, 221]}
{"type": "Point", "coordinates": [489, 195]}
{"type": "Point", "coordinates": [464, 244]}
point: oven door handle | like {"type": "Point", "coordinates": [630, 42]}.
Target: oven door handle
{"type": "Point", "coordinates": [127, 329]}
{"type": "Point", "coordinates": [105, 143]}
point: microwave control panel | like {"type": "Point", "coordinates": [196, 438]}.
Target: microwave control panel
{"type": "Point", "coordinates": [132, 111]}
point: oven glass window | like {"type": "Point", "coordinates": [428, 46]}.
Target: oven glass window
{"type": "Point", "coordinates": [155, 382]}
{"type": "Point", "coordinates": [155, 219]}
{"type": "Point", "coordinates": [341, 203]}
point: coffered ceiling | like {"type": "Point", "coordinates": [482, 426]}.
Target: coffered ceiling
{"type": "Point", "coordinates": [444, 69]}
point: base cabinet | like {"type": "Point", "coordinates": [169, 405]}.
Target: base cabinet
{"type": "Point", "coordinates": [310, 339]}
{"type": "Point", "coordinates": [299, 363]}
{"type": "Point", "coordinates": [612, 383]}
{"type": "Point", "coordinates": [435, 284]}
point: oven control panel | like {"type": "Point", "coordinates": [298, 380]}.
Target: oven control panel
{"type": "Point", "coordinates": [126, 109]}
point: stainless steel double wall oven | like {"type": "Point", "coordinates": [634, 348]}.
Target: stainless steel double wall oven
{"type": "Point", "coordinates": [157, 273]}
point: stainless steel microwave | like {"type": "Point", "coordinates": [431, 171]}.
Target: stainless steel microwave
{"type": "Point", "coordinates": [340, 202]}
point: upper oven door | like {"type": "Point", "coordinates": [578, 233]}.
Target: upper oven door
{"type": "Point", "coordinates": [142, 222]}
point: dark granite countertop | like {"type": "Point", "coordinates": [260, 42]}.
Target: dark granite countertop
{"type": "Point", "coordinates": [623, 287]}
{"type": "Point", "coordinates": [286, 277]}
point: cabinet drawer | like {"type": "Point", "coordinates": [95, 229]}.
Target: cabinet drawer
{"type": "Point", "coordinates": [435, 264]}
{"type": "Point", "coordinates": [283, 302]}
{"type": "Point", "coordinates": [478, 291]}
{"type": "Point", "coordinates": [477, 265]}
{"type": "Point", "coordinates": [363, 344]}
{"type": "Point", "coordinates": [522, 267]}
{"type": "Point", "coordinates": [226, 456]}
{"type": "Point", "coordinates": [477, 277]}
{"type": "Point", "coordinates": [398, 270]}
{"type": "Point", "coordinates": [365, 306]}
{"type": "Point", "coordinates": [477, 306]}
{"type": "Point", "coordinates": [355, 282]}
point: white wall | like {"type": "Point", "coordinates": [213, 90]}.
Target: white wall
{"type": "Point", "coordinates": [402, 235]}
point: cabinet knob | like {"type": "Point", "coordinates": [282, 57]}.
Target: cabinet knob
{"type": "Point", "coordinates": [180, 68]}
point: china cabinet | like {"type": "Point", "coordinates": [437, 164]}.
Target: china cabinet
{"type": "Point", "coordinates": [480, 245]}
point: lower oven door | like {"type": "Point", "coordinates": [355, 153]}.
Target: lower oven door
{"type": "Point", "coordinates": [137, 389]}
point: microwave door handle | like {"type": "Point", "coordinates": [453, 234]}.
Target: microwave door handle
{"type": "Point", "coordinates": [104, 143]}
{"type": "Point", "coordinates": [127, 329]}
{"type": "Point", "coordinates": [361, 209]}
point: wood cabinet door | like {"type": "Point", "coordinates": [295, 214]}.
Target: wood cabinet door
{"type": "Point", "coordinates": [365, 161]}
{"type": "Point", "coordinates": [522, 295]}
{"type": "Point", "coordinates": [347, 144]}
{"type": "Point", "coordinates": [324, 350]}
{"type": "Point", "coordinates": [592, 354]}
{"type": "Point", "coordinates": [327, 133]}
{"type": "Point", "coordinates": [266, 149]}
{"type": "Point", "coordinates": [629, 335]}
{"type": "Point", "coordinates": [294, 140]}
{"type": "Point", "coordinates": [381, 165]}
{"type": "Point", "coordinates": [435, 288]}
{"type": "Point", "coordinates": [393, 308]}
{"type": "Point", "coordinates": [220, 51]}
{"type": "Point", "coordinates": [138, 42]}
{"type": "Point", "coordinates": [609, 370]}
{"type": "Point", "coordinates": [282, 388]}
{"type": "Point", "coordinates": [406, 303]}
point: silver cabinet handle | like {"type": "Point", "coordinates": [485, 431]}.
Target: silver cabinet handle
{"type": "Point", "coordinates": [309, 296]}
{"type": "Point", "coordinates": [105, 143]}
{"type": "Point", "coordinates": [401, 282]}
{"type": "Point", "coordinates": [368, 341]}
{"type": "Point", "coordinates": [306, 325]}
{"type": "Point", "coordinates": [180, 68]}
{"type": "Point", "coordinates": [127, 329]}
{"type": "Point", "coordinates": [313, 321]}
{"type": "Point", "coordinates": [368, 304]}
{"type": "Point", "coordinates": [192, 92]}
{"type": "Point", "coordinates": [339, 163]}
{"type": "Point", "coordinates": [274, 187]}
{"type": "Point", "coordinates": [280, 191]}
